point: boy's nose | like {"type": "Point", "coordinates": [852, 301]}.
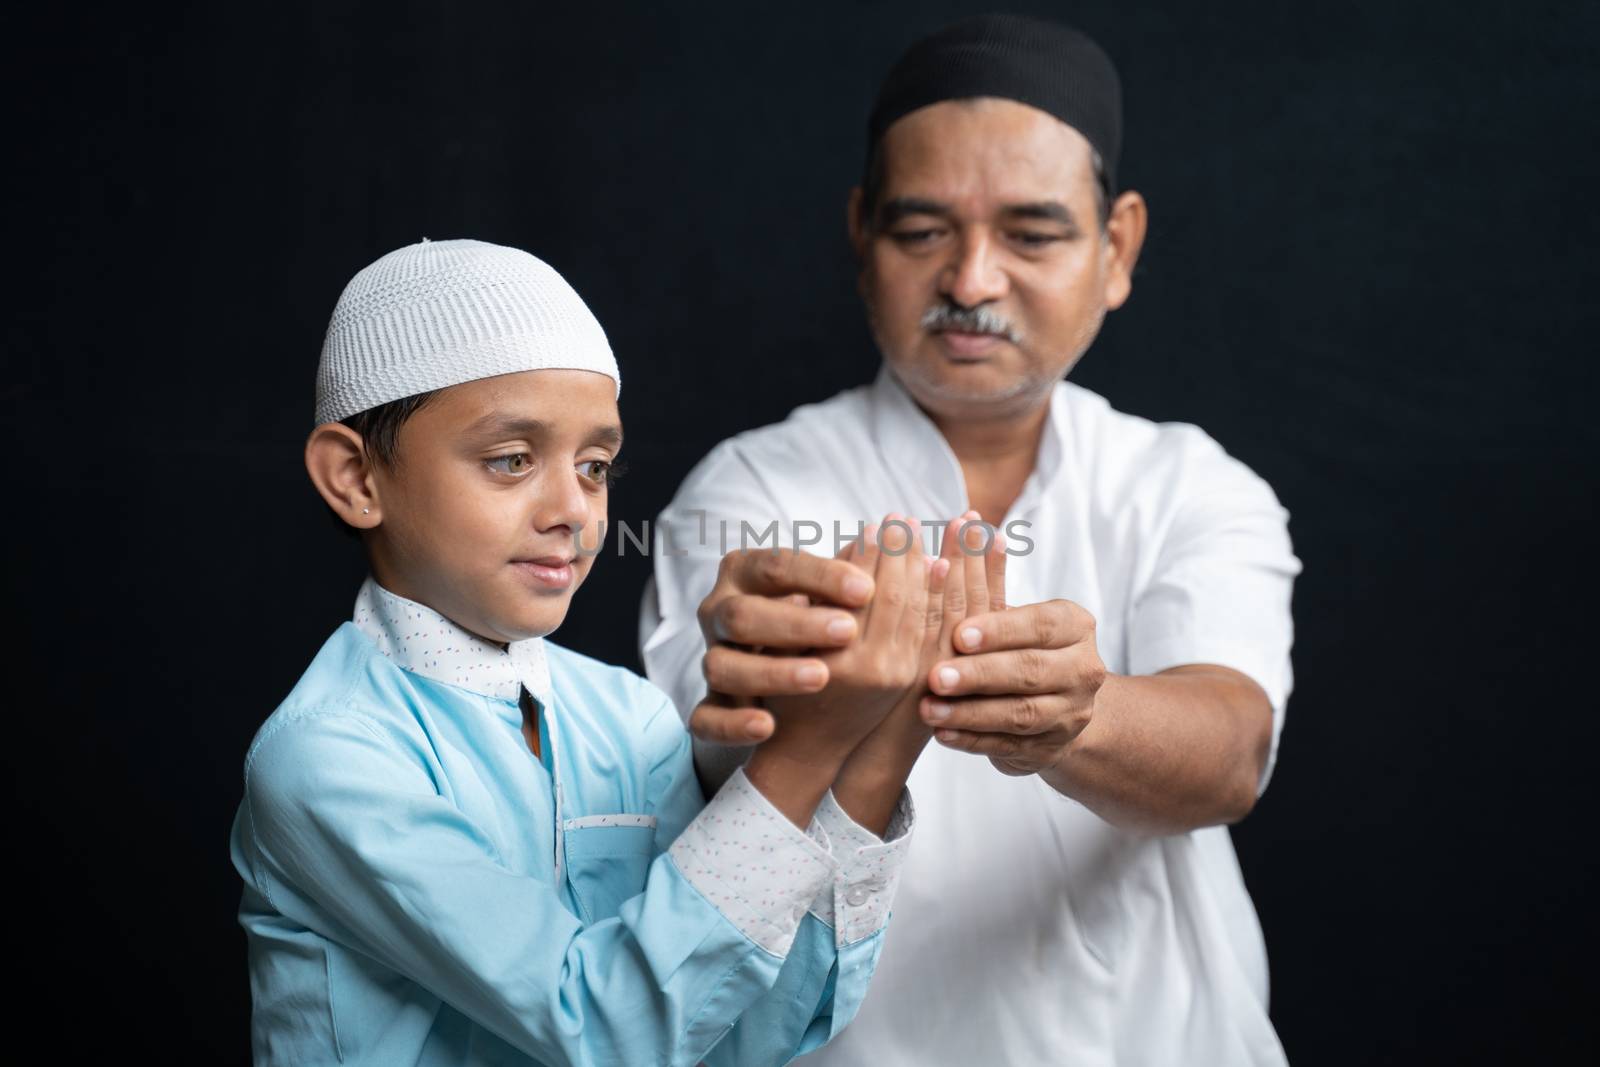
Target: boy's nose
{"type": "Point", "coordinates": [562, 502]}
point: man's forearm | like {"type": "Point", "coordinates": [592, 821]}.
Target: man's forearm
{"type": "Point", "coordinates": [1170, 752]}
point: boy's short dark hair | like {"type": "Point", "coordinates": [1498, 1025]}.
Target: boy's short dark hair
{"type": "Point", "coordinates": [379, 428]}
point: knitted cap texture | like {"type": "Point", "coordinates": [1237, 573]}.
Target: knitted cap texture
{"type": "Point", "coordinates": [1042, 64]}
{"type": "Point", "coordinates": [440, 313]}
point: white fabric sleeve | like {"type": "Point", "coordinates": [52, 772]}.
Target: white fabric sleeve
{"type": "Point", "coordinates": [753, 864]}
{"type": "Point", "coordinates": [857, 903]}
{"type": "Point", "coordinates": [686, 550]}
{"type": "Point", "coordinates": [1219, 590]}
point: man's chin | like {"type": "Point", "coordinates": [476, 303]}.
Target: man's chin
{"type": "Point", "coordinates": [958, 386]}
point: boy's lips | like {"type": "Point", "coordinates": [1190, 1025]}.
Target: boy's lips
{"type": "Point", "coordinates": [550, 572]}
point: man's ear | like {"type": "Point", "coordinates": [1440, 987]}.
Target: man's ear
{"type": "Point", "coordinates": [858, 233]}
{"type": "Point", "coordinates": [341, 469]}
{"type": "Point", "coordinates": [1125, 231]}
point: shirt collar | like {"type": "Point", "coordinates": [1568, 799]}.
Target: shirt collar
{"type": "Point", "coordinates": [906, 435]}
{"type": "Point", "coordinates": [422, 641]}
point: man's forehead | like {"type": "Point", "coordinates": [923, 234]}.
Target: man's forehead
{"type": "Point", "coordinates": [985, 146]}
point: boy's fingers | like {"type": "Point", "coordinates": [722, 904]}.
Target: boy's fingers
{"type": "Point", "coordinates": [995, 572]}
{"type": "Point", "coordinates": [884, 545]}
{"type": "Point", "coordinates": [953, 605]}
{"type": "Point", "coordinates": [917, 575]}
{"type": "Point", "coordinates": [975, 537]}
{"type": "Point", "coordinates": [933, 608]}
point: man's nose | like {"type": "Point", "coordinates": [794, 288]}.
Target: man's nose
{"type": "Point", "coordinates": [975, 275]}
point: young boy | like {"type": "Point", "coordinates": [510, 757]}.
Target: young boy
{"type": "Point", "coordinates": [463, 844]}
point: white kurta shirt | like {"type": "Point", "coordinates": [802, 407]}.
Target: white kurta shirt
{"type": "Point", "coordinates": [1028, 930]}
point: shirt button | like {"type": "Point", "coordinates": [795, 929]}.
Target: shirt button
{"type": "Point", "coordinates": [857, 896]}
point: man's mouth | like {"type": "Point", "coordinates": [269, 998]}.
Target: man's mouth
{"type": "Point", "coordinates": [969, 346]}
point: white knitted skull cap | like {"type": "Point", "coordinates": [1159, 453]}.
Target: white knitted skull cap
{"type": "Point", "coordinates": [440, 313]}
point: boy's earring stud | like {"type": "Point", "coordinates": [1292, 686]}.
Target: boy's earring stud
{"type": "Point", "coordinates": [366, 511]}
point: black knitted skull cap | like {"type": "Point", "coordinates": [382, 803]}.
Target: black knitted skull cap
{"type": "Point", "coordinates": [1042, 64]}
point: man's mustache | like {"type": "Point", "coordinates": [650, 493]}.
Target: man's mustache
{"type": "Point", "coordinates": [980, 319]}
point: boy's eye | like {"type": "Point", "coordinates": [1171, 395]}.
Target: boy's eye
{"type": "Point", "coordinates": [601, 471]}
{"type": "Point", "coordinates": [516, 464]}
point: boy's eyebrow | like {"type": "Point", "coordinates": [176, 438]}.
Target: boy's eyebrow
{"type": "Point", "coordinates": [498, 425]}
{"type": "Point", "coordinates": [610, 434]}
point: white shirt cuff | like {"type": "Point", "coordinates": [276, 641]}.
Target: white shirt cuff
{"type": "Point", "coordinates": [856, 904]}
{"type": "Point", "coordinates": [755, 866]}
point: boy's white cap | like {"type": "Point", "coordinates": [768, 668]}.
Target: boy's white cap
{"type": "Point", "coordinates": [439, 313]}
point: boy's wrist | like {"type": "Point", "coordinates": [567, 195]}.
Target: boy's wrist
{"type": "Point", "coordinates": [793, 777]}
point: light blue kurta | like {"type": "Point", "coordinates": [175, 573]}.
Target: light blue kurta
{"type": "Point", "coordinates": [409, 899]}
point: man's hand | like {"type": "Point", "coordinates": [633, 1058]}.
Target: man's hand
{"type": "Point", "coordinates": [759, 613]}
{"type": "Point", "coordinates": [1023, 688]}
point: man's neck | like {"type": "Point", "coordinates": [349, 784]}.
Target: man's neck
{"type": "Point", "coordinates": [996, 454]}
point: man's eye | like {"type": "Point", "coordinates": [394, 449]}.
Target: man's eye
{"type": "Point", "coordinates": [601, 471]}
{"type": "Point", "coordinates": [913, 237]}
{"type": "Point", "coordinates": [516, 464]}
{"type": "Point", "coordinates": [1033, 239]}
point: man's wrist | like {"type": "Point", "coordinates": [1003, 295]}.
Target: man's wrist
{"type": "Point", "coordinates": [1061, 774]}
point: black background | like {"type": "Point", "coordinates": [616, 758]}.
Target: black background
{"type": "Point", "coordinates": [1368, 275]}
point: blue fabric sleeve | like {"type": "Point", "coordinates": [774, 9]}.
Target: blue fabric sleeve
{"type": "Point", "coordinates": [351, 839]}
{"type": "Point", "coordinates": [819, 986]}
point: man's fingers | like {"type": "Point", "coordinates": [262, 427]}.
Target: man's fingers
{"type": "Point", "coordinates": [1053, 624]}
{"type": "Point", "coordinates": [1021, 754]}
{"type": "Point", "coordinates": [747, 674]}
{"type": "Point", "coordinates": [1024, 671]}
{"type": "Point", "coordinates": [1045, 713]}
{"type": "Point", "coordinates": [781, 571]}
{"type": "Point", "coordinates": [770, 622]}
{"type": "Point", "coordinates": [730, 725]}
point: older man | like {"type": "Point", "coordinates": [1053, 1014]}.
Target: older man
{"type": "Point", "coordinates": [1097, 730]}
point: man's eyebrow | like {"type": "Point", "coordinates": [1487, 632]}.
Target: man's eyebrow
{"type": "Point", "coordinates": [900, 207]}
{"type": "Point", "coordinates": [1041, 210]}
{"type": "Point", "coordinates": [610, 435]}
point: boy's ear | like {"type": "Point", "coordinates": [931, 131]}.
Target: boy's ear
{"type": "Point", "coordinates": [341, 469]}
